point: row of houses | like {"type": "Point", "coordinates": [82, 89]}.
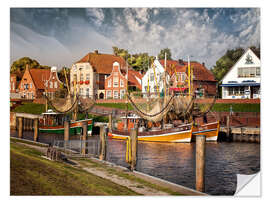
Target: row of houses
{"type": "Point", "coordinates": [106, 76]}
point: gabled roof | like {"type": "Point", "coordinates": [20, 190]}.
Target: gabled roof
{"type": "Point", "coordinates": [133, 77]}
{"type": "Point", "coordinates": [172, 66]}
{"type": "Point", "coordinates": [40, 76]}
{"type": "Point", "coordinates": [102, 63]}
{"type": "Point", "coordinates": [201, 72]}
{"type": "Point", "coordinates": [238, 62]}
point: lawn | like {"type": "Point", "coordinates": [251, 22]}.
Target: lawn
{"type": "Point", "coordinates": [236, 107]}
{"type": "Point", "coordinates": [32, 108]}
{"type": "Point", "coordinates": [30, 174]}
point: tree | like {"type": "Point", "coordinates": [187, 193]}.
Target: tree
{"type": "Point", "coordinates": [226, 62]}
{"type": "Point", "coordinates": [162, 52]}
{"type": "Point", "coordinates": [18, 66]}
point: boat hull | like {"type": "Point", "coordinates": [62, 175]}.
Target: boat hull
{"type": "Point", "coordinates": [173, 135]}
{"type": "Point", "coordinates": [75, 128]}
{"type": "Point", "coordinates": [210, 130]}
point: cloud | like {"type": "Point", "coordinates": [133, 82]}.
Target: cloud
{"type": "Point", "coordinates": [205, 34]}
{"type": "Point", "coordinates": [96, 14]}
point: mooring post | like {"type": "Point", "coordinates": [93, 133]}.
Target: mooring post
{"type": "Point", "coordinates": [36, 126]}
{"type": "Point", "coordinates": [20, 127]}
{"type": "Point", "coordinates": [134, 145]}
{"type": "Point", "coordinates": [84, 127]}
{"type": "Point", "coordinates": [66, 133]}
{"type": "Point", "coordinates": [110, 121]}
{"type": "Point", "coordinates": [102, 143]}
{"type": "Point", "coordinates": [228, 127]}
{"type": "Point", "coordinates": [200, 162]}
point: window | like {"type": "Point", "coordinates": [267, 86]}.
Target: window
{"type": "Point", "coordinates": [87, 92]}
{"type": "Point", "coordinates": [51, 84]}
{"type": "Point", "coordinates": [122, 94]}
{"type": "Point", "coordinates": [75, 77]}
{"type": "Point", "coordinates": [152, 77]}
{"type": "Point", "coordinates": [109, 83]}
{"type": "Point", "coordinates": [115, 94]}
{"type": "Point", "coordinates": [81, 91]}
{"type": "Point", "coordinates": [109, 94]}
{"type": "Point", "coordinates": [121, 83]}
{"type": "Point", "coordinates": [55, 84]}
{"type": "Point", "coordinates": [248, 72]}
{"type": "Point", "coordinates": [30, 85]}
{"type": "Point", "coordinates": [145, 88]}
{"type": "Point", "coordinates": [183, 77]}
{"type": "Point", "coordinates": [258, 71]}
{"type": "Point", "coordinates": [21, 85]}
{"type": "Point", "coordinates": [236, 91]}
{"type": "Point", "coordinates": [115, 81]}
{"type": "Point", "coordinates": [115, 73]}
{"type": "Point", "coordinates": [81, 77]}
{"type": "Point", "coordinates": [87, 76]}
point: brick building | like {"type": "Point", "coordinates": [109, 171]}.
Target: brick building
{"type": "Point", "coordinates": [90, 72]}
{"type": "Point", "coordinates": [116, 82]}
{"type": "Point", "coordinates": [204, 82]}
{"type": "Point", "coordinates": [35, 81]}
{"type": "Point", "coordinates": [13, 83]}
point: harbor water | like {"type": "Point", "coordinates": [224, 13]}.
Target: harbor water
{"type": "Point", "coordinates": [175, 162]}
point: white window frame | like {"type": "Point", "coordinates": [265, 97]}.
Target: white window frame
{"type": "Point", "coordinates": [121, 83]}
{"type": "Point", "coordinates": [109, 94]}
{"type": "Point", "coordinates": [87, 77]}
{"type": "Point", "coordinates": [122, 93]}
{"type": "Point", "coordinates": [51, 84]}
{"type": "Point", "coordinates": [55, 85]}
{"type": "Point", "coordinates": [109, 82]}
{"type": "Point", "coordinates": [114, 94]}
{"type": "Point", "coordinates": [115, 82]}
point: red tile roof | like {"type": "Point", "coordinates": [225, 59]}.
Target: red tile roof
{"type": "Point", "coordinates": [199, 71]}
{"type": "Point", "coordinates": [39, 77]}
{"type": "Point", "coordinates": [172, 66]}
{"type": "Point", "coordinates": [132, 78]}
{"type": "Point", "coordinates": [102, 63]}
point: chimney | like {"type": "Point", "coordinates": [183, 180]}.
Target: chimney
{"type": "Point", "coordinates": [96, 51]}
{"type": "Point", "coordinates": [203, 64]}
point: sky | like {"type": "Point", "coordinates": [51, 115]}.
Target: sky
{"type": "Point", "coordinates": [61, 36]}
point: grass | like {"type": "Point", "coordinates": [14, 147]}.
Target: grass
{"type": "Point", "coordinates": [14, 140]}
{"type": "Point", "coordinates": [30, 174]}
{"type": "Point", "coordinates": [116, 105]}
{"type": "Point", "coordinates": [236, 107]}
{"type": "Point", "coordinates": [87, 162]}
{"type": "Point", "coordinates": [32, 108]}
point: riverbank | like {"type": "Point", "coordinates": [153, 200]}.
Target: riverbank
{"type": "Point", "coordinates": [32, 174]}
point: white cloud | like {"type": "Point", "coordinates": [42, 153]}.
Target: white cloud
{"type": "Point", "coordinates": [97, 15]}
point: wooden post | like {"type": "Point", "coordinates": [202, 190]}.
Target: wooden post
{"type": "Point", "coordinates": [20, 127]}
{"type": "Point", "coordinates": [84, 127]}
{"type": "Point", "coordinates": [36, 126]}
{"type": "Point", "coordinates": [102, 143]}
{"type": "Point", "coordinates": [228, 127]}
{"type": "Point", "coordinates": [134, 145]}
{"type": "Point", "coordinates": [110, 122]}
{"type": "Point", "coordinates": [66, 132]}
{"type": "Point", "coordinates": [200, 162]}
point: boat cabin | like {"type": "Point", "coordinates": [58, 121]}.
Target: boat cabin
{"type": "Point", "coordinates": [51, 118]}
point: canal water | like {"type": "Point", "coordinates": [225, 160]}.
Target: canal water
{"type": "Point", "coordinates": [175, 162]}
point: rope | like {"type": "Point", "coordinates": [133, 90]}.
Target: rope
{"type": "Point", "coordinates": [67, 111]}
{"type": "Point", "coordinates": [149, 115]}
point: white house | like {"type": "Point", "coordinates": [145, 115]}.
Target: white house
{"type": "Point", "coordinates": [243, 80]}
{"type": "Point", "coordinates": [153, 76]}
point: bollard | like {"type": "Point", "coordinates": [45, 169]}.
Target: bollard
{"type": "Point", "coordinates": [20, 134]}
{"type": "Point", "coordinates": [36, 130]}
{"type": "Point", "coordinates": [200, 162]}
{"type": "Point", "coordinates": [84, 127]}
{"type": "Point", "coordinates": [110, 122]}
{"type": "Point", "coordinates": [66, 133]}
{"type": "Point", "coordinates": [102, 143]}
{"type": "Point", "coordinates": [134, 145]}
{"type": "Point", "coordinates": [228, 127]}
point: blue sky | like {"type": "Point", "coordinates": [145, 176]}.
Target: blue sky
{"type": "Point", "coordinates": [62, 36]}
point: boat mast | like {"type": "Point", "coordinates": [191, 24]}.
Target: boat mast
{"type": "Point", "coordinates": [126, 123]}
{"type": "Point", "coordinates": [189, 78]}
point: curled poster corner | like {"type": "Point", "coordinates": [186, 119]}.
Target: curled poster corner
{"type": "Point", "coordinates": [248, 185]}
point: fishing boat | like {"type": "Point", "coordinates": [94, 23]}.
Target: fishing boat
{"type": "Point", "coordinates": [53, 122]}
{"type": "Point", "coordinates": [177, 134]}
{"type": "Point", "coordinates": [210, 130]}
